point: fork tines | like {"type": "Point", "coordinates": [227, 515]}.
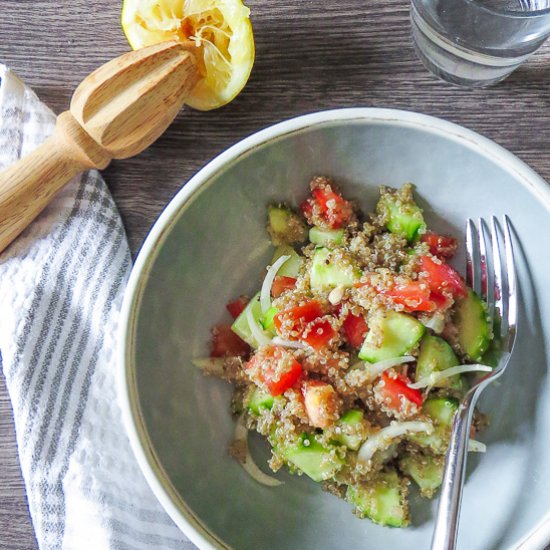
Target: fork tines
{"type": "Point", "coordinates": [490, 271]}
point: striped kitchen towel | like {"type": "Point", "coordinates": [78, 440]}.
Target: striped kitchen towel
{"type": "Point", "coordinates": [61, 287]}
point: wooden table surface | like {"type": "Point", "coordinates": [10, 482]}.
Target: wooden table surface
{"type": "Point", "coordinates": [310, 55]}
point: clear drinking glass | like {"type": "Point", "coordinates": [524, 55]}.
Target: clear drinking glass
{"type": "Point", "coordinates": [478, 42]}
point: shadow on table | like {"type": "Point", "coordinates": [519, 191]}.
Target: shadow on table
{"type": "Point", "coordinates": [528, 75]}
{"type": "Point", "coordinates": [535, 71]}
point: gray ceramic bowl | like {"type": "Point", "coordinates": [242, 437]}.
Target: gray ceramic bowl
{"type": "Point", "coordinates": [210, 245]}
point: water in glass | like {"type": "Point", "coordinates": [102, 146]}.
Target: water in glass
{"type": "Point", "coordinates": [478, 42]}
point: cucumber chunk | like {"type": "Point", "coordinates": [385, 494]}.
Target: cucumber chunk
{"type": "Point", "coordinates": [391, 335]}
{"type": "Point", "coordinates": [437, 355]}
{"type": "Point", "coordinates": [474, 331]}
{"type": "Point", "coordinates": [425, 470]}
{"type": "Point", "coordinates": [383, 499]}
{"type": "Point", "coordinates": [291, 268]}
{"type": "Point", "coordinates": [329, 270]}
{"type": "Point", "coordinates": [493, 354]}
{"type": "Point", "coordinates": [240, 326]}
{"type": "Point", "coordinates": [285, 226]}
{"type": "Point", "coordinates": [441, 410]}
{"type": "Point", "coordinates": [404, 216]}
{"type": "Point", "coordinates": [326, 237]}
{"type": "Point", "coordinates": [267, 319]}
{"type": "Point", "coordinates": [313, 459]}
{"type": "Point", "coordinates": [259, 400]}
{"type": "Point", "coordinates": [349, 429]}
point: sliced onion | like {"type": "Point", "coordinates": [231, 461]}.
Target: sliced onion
{"type": "Point", "coordinates": [211, 365]}
{"type": "Point", "coordinates": [384, 438]}
{"type": "Point", "coordinates": [336, 294]}
{"type": "Point", "coordinates": [475, 446]}
{"type": "Point", "coordinates": [437, 376]}
{"type": "Point", "coordinates": [265, 293]}
{"type": "Point", "coordinates": [259, 335]}
{"type": "Point", "coordinates": [250, 467]}
{"type": "Point", "coordinates": [288, 343]}
{"type": "Point", "coordinates": [376, 369]}
{"type": "Point", "coordinates": [436, 322]}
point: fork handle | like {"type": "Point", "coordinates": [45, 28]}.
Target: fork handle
{"type": "Point", "coordinates": [448, 513]}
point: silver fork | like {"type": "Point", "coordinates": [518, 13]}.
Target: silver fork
{"type": "Point", "coordinates": [496, 284]}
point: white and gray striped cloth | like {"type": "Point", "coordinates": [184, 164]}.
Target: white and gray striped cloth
{"type": "Point", "coordinates": [61, 286]}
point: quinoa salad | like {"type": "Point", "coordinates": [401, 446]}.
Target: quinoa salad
{"type": "Point", "coordinates": [353, 356]}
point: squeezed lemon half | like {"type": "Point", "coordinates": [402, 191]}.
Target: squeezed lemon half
{"type": "Point", "coordinates": [220, 29]}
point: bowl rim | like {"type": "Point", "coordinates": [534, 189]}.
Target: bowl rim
{"type": "Point", "coordinates": [150, 465]}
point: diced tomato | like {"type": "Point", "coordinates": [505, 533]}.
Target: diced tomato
{"type": "Point", "coordinates": [274, 367]}
{"type": "Point", "coordinates": [285, 380]}
{"type": "Point", "coordinates": [334, 207]}
{"type": "Point", "coordinates": [442, 246]}
{"type": "Point", "coordinates": [330, 206]}
{"type": "Point", "coordinates": [413, 295]}
{"type": "Point", "coordinates": [226, 343]}
{"type": "Point", "coordinates": [306, 323]}
{"type": "Point", "coordinates": [318, 333]}
{"type": "Point", "coordinates": [441, 277]}
{"type": "Point", "coordinates": [396, 388]}
{"type": "Point", "coordinates": [321, 402]}
{"type": "Point", "coordinates": [440, 300]}
{"type": "Point", "coordinates": [282, 283]}
{"type": "Point", "coordinates": [355, 329]}
{"type": "Point", "coordinates": [298, 317]}
{"type": "Point", "coordinates": [236, 307]}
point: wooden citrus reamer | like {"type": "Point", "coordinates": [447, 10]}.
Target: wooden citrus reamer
{"type": "Point", "coordinates": [116, 112]}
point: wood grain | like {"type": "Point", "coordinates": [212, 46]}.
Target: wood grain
{"type": "Point", "coordinates": [310, 55]}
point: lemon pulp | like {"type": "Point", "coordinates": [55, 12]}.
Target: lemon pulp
{"type": "Point", "coordinates": [220, 29]}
